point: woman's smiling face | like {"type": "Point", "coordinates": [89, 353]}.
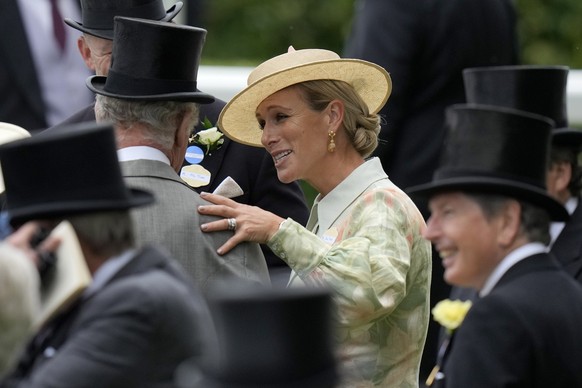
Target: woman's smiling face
{"type": "Point", "coordinates": [294, 134]}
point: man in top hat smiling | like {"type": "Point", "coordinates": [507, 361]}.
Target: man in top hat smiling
{"type": "Point", "coordinates": [251, 168]}
{"type": "Point", "coordinates": [490, 216]}
{"type": "Point", "coordinates": [150, 96]}
{"type": "Point", "coordinates": [139, 317]}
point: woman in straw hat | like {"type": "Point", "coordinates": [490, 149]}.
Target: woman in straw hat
{"type": "Point", "coordinates": [316, 114]}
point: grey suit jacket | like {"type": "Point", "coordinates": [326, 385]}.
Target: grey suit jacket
{"type": "Point", "coordinates": [133, 332]}
{"type": "Point", "coordinates": [174, 223]}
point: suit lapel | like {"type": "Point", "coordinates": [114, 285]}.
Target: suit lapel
{"type": "Point", "coordinates": [212, 163]}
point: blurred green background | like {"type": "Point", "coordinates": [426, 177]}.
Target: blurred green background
{"type": "Point", "coordinates": [246, 32]}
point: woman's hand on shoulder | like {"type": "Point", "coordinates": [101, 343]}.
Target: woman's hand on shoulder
{"type": "Point", "coordinates": [248, 223]}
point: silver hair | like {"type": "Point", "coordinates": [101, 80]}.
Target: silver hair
{"type": "Point", "coordinates": [159, 118]}
{"type": "Point", "coordinates": [107, 233]}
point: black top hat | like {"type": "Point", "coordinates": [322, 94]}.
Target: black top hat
{"type": "Point", "coordinates": [98, 14]}
{"type": "Point", "coordinates": [70, 171]}
{"type": "Point", "coordinates": [280, 337]}
{"type": "Point", "coordinates": [153, 61]}
{"type": "Point", "coordinates": [495, 150]}
{"type": "Point", "coordinates": [536, 89]}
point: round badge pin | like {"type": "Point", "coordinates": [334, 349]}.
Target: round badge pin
{"type": "Point", "coordinates": [194, 155]}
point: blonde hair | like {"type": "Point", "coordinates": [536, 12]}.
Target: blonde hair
{"type": "Point", "coordinates": [361, 127]}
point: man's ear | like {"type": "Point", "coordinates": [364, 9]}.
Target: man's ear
{"type": "Point", "coordinates": [181, 136]}
{"type": "Point", "coordinates": [183, 131]}
{"type": "Point", "coordinates": [85, 51]}
{"type": "Point", "coordinates": [509, 223]}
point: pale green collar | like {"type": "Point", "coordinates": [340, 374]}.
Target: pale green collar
{"type": "Point", "coordinates": [343, 195]}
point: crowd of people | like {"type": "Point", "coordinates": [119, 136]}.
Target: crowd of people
{"type": "Point", "coordinates": [159, 236]}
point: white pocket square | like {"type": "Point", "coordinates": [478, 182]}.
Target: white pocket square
{"type": "Point", "coordinates": [228, 188]}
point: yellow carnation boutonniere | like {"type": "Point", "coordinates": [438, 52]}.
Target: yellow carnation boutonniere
{"type": "Point", "coordinates": [449, 314]}
{"type": "Point", "coordinates": [210, 138]}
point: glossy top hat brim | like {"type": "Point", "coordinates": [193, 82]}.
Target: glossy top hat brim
{"type": "Point", "coordinates": [238, 118]}
{"type": "Point", "coordinates": [491, 185]}
{"type": "Point", "coordinates": [107, 33]}
{"type": "Point", "coordinates": [95, 183]}
{"type": "Point", "coordinates": [97, 84]}
{"type": "Point", "coordinates": [69, 208]}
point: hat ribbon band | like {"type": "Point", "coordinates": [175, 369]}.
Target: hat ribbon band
{"type": "Point", "coordinates": [125, 84]}
{"type": "Point", "coordinates": [102, 18]}
{"type": "Point", "coordinates": [443, 174]}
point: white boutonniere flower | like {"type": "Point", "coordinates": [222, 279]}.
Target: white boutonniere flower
{"type": "Point", "coordinates": [209, 139]}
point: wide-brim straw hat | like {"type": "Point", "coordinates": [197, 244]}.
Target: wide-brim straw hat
{"type": "Point", "coordinates": [238, 119]}
{"type": "Point", "coordinates": [10, 132]}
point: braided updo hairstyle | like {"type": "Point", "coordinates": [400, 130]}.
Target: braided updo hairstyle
{"type": "Point", "coordinates": [361, 127]}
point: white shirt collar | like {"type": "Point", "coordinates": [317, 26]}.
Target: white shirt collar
{"type": "Point", "coordinates": [509, 261]}
{"type": "Point", "coordinates": [141, 152]}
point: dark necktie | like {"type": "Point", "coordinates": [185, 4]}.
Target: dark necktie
{"type": "Point", "coordinates": [58, 25]}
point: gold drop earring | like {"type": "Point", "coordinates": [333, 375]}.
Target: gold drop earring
{"type": "Point", "coordinates": [331, 145]}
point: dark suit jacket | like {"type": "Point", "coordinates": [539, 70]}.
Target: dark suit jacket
{"type": "Point", "coordinates": [525, 333]}
{"type": "Point", "coordinates": [568, 246]}
{"type": "Point", "coordinates": [425, 45]}
{"type": "Point", "coordinates": [251, 167]}
{"type": "Point", "coordinates": [21, 100]}
{"type": "Point", "coordinates": [133, 332]}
